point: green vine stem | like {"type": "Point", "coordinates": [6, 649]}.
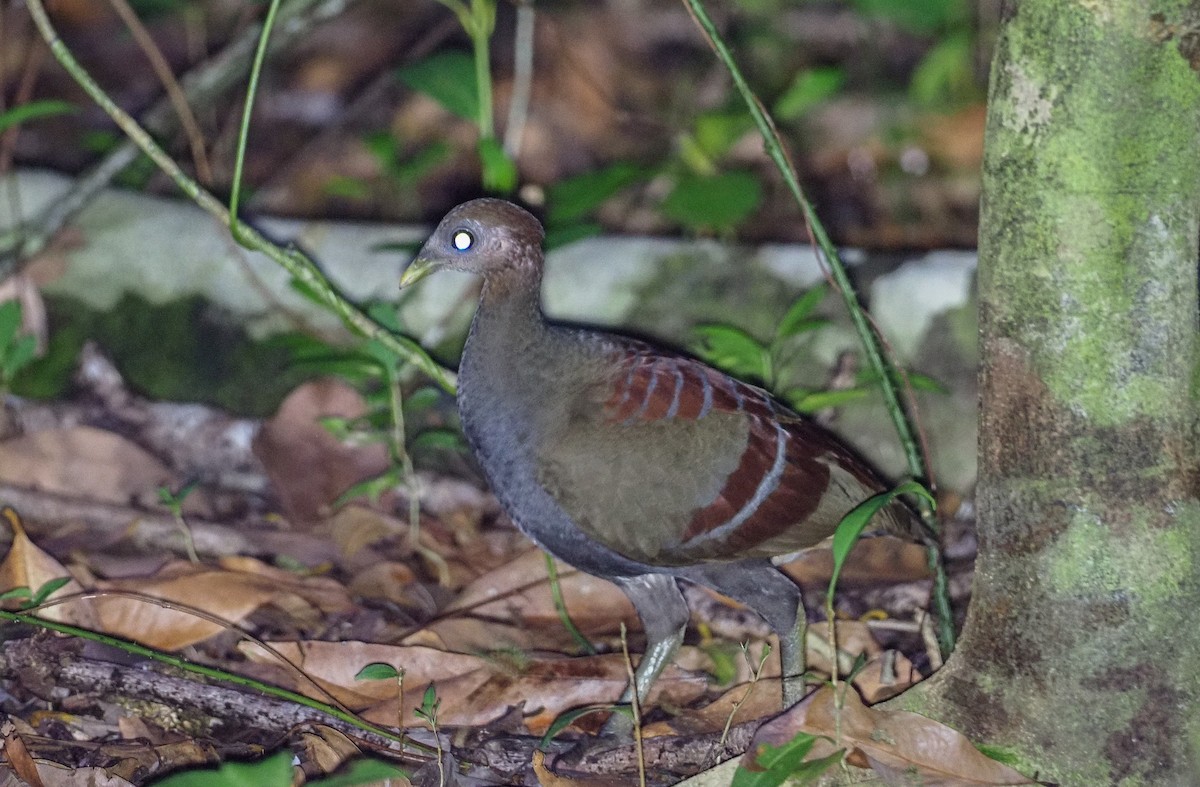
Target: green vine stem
{"type": "Point", "coordinates": [239, 159]}
{"type": "Point", "coordinates": [871, 343]}
{"type": "Point", "coordinates": [479, 20]}
{"type": "Point", "coordinates": [303, 269]}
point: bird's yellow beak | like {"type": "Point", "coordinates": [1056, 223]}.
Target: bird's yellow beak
{"type": "Point", "coordinates": [418, 269]}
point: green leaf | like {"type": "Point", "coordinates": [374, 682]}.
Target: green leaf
{"type": "Point", "coordinates": [918, 381]}
{"type": "Point", "coordinates": [808, 89]}
{"type": "Point", "coordinates": [47, 590]}
{"type": "Point", "coordinates": [575, 197]}
{"type": "Point", "coordinates": [811, 401]}
{"type": "Point", "coordinates": [385, 313]}
{"type": "Point", "coordinates": [378, 671]}
{"type": "Point", "coordinates": [568, 717]}
{"type": "Point", "coordinates": [372, 488]}
{"type": "Point", "coordinates": [923, 16]}
{"type": "Point", "coordinates": [34, 110]}
{"type": "Point", "coordinates": [557, 237]}
{"type": "Point", "coordinates": [448, 78]}
{"type": "Point", "coordinates": [429, 705]}
{"type": "Point", "coordinates": [733, 350]}
{"type": "Point", "coordinates": [362, 771]}
{"type": "Point", "coordinates": [445, 439]}
{"type": "Point", "coordinates": [19, 592]}
{"type": "Point", "coordinates": [773, 765]}
{"type": "Point", "coordinates": [422, 399]}
{"type": "Point", "coordinates": [713, 201]}
{"type": "Point", "coordinates": [1001, 754]}
{"type": "Point", "coordinates": [794, 321]}
{"type": "Point", "coordinates": [717, 131]}
{"type": "Point", "coordinates": [853, 524]}
{"type": "Point", "coordinates": [408, 171]}
{"type": "Point", "coordinates": [273, 771]}
{"type": "Point", "coordinates": [923, 382]}
{"type": "Point", "coordinates": [347, 188]}
{"type": "Point", "coordinates": [10, 323]}
{"type": "Point", "coordinates": [405, 248]}
{"type": "Point", "coordinates": [944, 76]}
{"type": "Point", "coordinates": [809, 771]}
{"type": "Point", "coordinates": [499, 171]}
{"type": "Point", "coordinates": [18, 355]}
{"type": "Point", "coordinates": [724, 657]}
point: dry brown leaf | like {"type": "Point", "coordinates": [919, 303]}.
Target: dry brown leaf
{"type": "Point", "coordinates": [758, 700]}
{"type": "Point", "coordinates": [355, 527]}
{"type": "Point", "coordinates": [473, 690]}
{"type": "Point", "coordinates": [873, 561]}
{"type": "Point", "coordinates": [471, 634]}
{"type": "Point", "coordinates": [326, 749]}
{"type": "Point", "coordinates": [18, 757]}
{"type": "Point", "coordinates": [307, 465]}
{"type": "Point", "coordinates": [90, 463]}
{"type": "Point", "coordinates": [548, 778]}
{"type": "Point", "coordinates": [333, 665]}
{"type": "Point", "coordinates": [53, 774]}
{"type": "Point", "coordinates": [519, 592]}
{"type": "Point", "coordinates": [897, 745]}
{"type": "Point", "coordinates": [26, 565]}
{"type": "Point", "coordinates": [325, 593]}
{"type": "Point", "coordinates": [389, 581]}
{"type": "Point", "coordinates": [885, 675]}
{"type": "Point", "coordinates": [224, 595]}
{"type": "Point", "coordinates": [544, 688]}
{"type": "Point", "coordinates": [227, 595]}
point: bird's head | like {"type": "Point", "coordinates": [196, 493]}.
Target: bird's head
{"type": "Point", "coordinates": [483, 236]}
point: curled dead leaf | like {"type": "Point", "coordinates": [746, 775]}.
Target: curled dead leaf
{"type": "Point", "coordinates": [897, 745]}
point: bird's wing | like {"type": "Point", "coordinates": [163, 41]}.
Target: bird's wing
{"type": "Point", "coordinates": [677, 463]}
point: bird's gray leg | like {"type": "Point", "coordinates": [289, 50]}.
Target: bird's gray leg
{"type": "Point", "coordinates": [664, 615]}
{"type": "Point", "coordinates": [792, 659]}
{"type": "Point", "coordinates": [761, 586]}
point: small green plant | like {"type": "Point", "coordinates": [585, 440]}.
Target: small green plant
{"type": "Point", "coordinates": [571, 201]}
{"type": "Point", "coordinates": [16, 348]}
{"type": "Point", "coordinates": [30, 599]}
{"type": "Point", "coordinates": [428, 712]}
{"type": "Point", "coordinates": [744, 355]}
{"type": "Point", "coordinates": [463, 85]}
{"type": "Point", "coordinates": [772, 362]}
{"type": "Point", "coordinates": [705, 197]}
{"type": "Point", "coordinates": [773, 765]}
{"type": "Point", "coordinates": [276, 771]}
{"type": "Point", "coordinates": [401, 170]}
{"type": "Point", "coordinates": [944, 76]}
{"type": "Point", "coordinates": [174, 503]}
{"type": "Point", "coordinates": [777, 764]}
{"type": "Point", "coordinates": [809, 88]}
{"type": "Point", "coordinates": [755, 674]}
{"type": "Point", "coordinates": [31, 111]}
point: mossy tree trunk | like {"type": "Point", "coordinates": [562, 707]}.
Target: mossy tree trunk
{"type": "Point", "coordinates": [1081, 651]}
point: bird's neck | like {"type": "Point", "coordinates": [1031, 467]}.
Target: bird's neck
{"type": "Point", "coordinates": [510, 311]}
{"type": "Point", "coordinates": [507, 335]}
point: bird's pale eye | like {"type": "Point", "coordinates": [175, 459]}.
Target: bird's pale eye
{"type": "Point", "coordinates": [462, 240]}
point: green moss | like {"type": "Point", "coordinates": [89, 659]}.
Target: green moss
{"type": "Point", "coordinates": [1089, 242]}
{"type": "Point", "coordinates": [179, 351]}
{"type": "Point", "coordinates": [1151, 563]}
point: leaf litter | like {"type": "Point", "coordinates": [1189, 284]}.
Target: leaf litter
{"type": "Point", "coordinates": [485, 635]}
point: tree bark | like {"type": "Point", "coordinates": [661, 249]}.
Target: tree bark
{"type": "Point", "coordinates": [1080, 653]}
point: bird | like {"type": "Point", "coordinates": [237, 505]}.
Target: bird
{"type": "Point", "coordinates": [634, 463]}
